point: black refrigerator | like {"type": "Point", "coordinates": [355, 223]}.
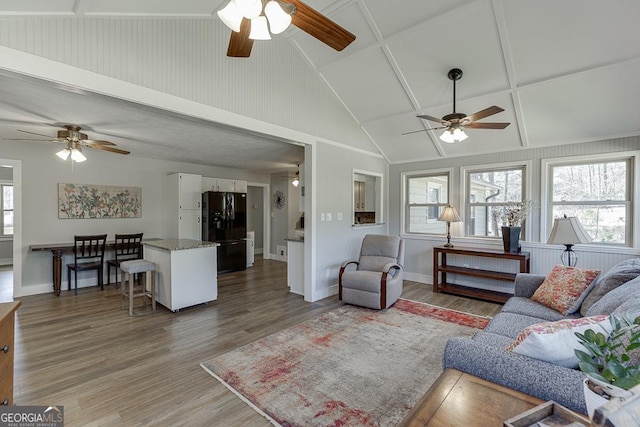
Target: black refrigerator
{"type": "Point", "coordinates": [224, 220]}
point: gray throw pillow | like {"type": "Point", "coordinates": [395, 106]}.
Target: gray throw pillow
{"type": "Point", "coordinates": [618, 275]}
{"type": "Point", "coordinates": [614, 299]}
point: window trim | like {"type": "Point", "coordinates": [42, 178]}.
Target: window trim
{"type": "Point", "coordinates": [2, 235]}
{"type": "Point", "coordinates": [404, 208]}
{"type": "Point", "coordinates": [526, 193]}
{"type": "Point", "coordinates": [633, 209]}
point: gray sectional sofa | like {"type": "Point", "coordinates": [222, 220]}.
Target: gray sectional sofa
{"type": "Point", "coordinates": [615, 292]}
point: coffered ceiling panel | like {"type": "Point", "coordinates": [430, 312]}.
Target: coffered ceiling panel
{"type": "Point", "coordinates": [564, 71]}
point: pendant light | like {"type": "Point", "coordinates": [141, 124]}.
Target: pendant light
{"type": "Point", "coordinates": [250, 9]}
{"type": "Point", "coordinates": [231, 16]}
{"type": "Point", "coordinates": [259, 29]}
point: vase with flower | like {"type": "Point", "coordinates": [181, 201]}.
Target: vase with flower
{"type": "Point", "coordinates": [513, 215]}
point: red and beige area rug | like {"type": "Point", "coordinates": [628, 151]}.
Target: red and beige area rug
{"type": "Point", "coordinates": [349, 367]}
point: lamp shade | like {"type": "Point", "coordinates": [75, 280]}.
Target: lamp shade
{"type": "Point", "coordinates": [250, 9]}
{"type": "Point", "coordinates": [259, 29]}
{"type": "Point", "coordinates": [568, 231]}
{"type": "Point", "coordinates": [231, 16]}
{"type": "Point", "coordinates": [64, 154]}
{"type": "Point", "coordinates": [77, 156]}
{"type": "Point", "coordinates": [453, 135]}
{"type": "Point", "coordinates": [449, 214]}
{"type": "Point", "coordinates": [279, 20]}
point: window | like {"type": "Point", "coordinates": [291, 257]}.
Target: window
{"type": "Point", "coordinates": [489, 193]}
{"type": "Point", "coordinates": [7, 210]}
{"type": "Point", "coordinates": [426, 196]}
{"type": "Point", "coordinates": [597, 192]}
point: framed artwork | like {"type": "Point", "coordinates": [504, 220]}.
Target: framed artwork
{"type": "Point", "coordinates": [84, 201]}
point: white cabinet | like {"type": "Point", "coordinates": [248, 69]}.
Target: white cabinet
{"type": "Point", "coordinates": [184, 212]}
{"type": "Point", "coordinates": [359, 196]}
{"type": "Point", "coordinates": [251, 244]}
{"type": "Point", "coordinates": [223, 184]}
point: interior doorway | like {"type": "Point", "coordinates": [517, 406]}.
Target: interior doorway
{"type": "Point", "coordinates": [9, 221]}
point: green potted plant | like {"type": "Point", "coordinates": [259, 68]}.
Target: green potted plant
{"type": "Point", "coordinates": [608, 361]}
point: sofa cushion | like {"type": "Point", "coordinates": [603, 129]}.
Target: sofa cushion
{"type": "Point", "coordinates": [556, 342]}
{"type": "Point", "coordinates": [565, 288]}
{"type": "Point", "coordinates": [615, 298]}
{"type": "Point", "coordinates": [520, 305]}
{"type": "Point", "coordinates": [510, 324]}
{"type": "Point", "coordinates": [494, 340]}
{"type": "Point", "coordinates": [618, 275]}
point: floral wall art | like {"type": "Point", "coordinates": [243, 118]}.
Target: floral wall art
{"type": "Point", "coordinates": [78, 201]}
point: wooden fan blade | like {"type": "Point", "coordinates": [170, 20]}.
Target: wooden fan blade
{"type": "Point", "coordinates": [423, 130]}
{"type": "Point", "coordinates": [98, 142]}
{"type": "Point", "coordinates": [319, 26]}
{"type": "Point", "coordinates": [484, 113]}
{"type": "Point", "coordinates": [476, 125]}
{"type": "Point", "coordinates": [240, 44]}
{"type": "Point", "coordinates": [431, 118]}
{"type": "Point", "coordinates": [111, 149]}
{"type": "Point", "coordinates": [33, 133]}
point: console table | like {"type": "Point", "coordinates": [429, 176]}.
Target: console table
{"type": "Point", "coordinates": [441, 268]}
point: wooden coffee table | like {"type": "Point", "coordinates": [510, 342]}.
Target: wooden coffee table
{"type": "Point", "coordinates": [460, 399]}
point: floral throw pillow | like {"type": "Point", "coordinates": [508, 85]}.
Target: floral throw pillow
{"type": "Point", "coordinates": [555, 342]}
{"type": "Point", "coordinates": [564, 288]}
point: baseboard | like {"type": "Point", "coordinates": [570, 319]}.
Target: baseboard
{"type": "Point", "coordinates": [275, 257]}
{"type": "Point", "coordinates": [420, 278]}
{"type": "Point", "coordinates": [6, 261]}
{"type": "Point", "coordinates": [325, 293]}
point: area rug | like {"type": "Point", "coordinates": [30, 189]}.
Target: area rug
{"type": "Point", "coordinates": [351, 366]}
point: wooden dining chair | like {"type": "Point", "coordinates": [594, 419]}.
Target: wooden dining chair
{"type": "Point", "coordinates": [127, 247]}
{"type": "Point", "coordinates": [88, 254]}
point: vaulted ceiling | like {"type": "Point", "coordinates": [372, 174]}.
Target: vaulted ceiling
{"type": "Point", "coordinates": [564, 72]}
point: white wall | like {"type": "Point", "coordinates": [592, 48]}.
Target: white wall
{"type": "Point", "coordinates": [41, 173]}
{"type": "Point", "coordinates": [255, 215]}
{"type": "Point", "coordinates": [419, 249]}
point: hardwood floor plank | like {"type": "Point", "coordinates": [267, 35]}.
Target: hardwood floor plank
{"type": "Point", "coordinates": [109, 369]}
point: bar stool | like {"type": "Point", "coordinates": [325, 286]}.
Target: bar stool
{"type": "Point", "coordinates": [138, 266]}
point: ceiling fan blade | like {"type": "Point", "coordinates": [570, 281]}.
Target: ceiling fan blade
{"type": "Point", "coordinates": [111, 149]}
{"type": "Point", "coordinates": [490, 111]}
{"type": "Point", "coordinates": [424, 130]}
{"type": "Point", "coordinates": [475, 125]}
{"type": "Point", "coordinates": [431, 118]}
{"type": "Point", "coordinates": [97, 142]}
{"type": "Point", "coordinates": [240, 44]}
{"type": "Point", "coordinates": [33, 133]}
{"type": "Point", "coordinates": [319, 26]}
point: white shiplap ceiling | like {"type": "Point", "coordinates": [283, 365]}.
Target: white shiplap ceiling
{"type": "Point", "coordinates": [564, 71]}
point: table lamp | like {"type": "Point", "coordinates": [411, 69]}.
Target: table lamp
{"type": "Point", "coordinates": [568, 231]}
{"type": "Point", "coordinates": [450, 215]}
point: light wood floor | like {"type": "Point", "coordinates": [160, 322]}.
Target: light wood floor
{"type": "Point", "coordinates": [108, 369]}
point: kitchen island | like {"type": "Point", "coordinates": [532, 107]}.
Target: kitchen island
{"type": "Point", "coordinates": [186, 271]}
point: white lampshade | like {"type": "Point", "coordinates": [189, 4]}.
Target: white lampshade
{"type": "Point", "coordinates": [259, 29]}
{"type": "Point", "coordinates": [453, 135]}
{"type": "Point", "coordinates": [568, 231]}
{"type": "Point", "coordinates": [231, 16]}
{"type": "Point", "coordinates": [449, 214]}
{"type": "Point", "coordinates": [295, 182]}
{"type": "Point", "coordinates": [77, 156]}
{"type": "Point", "coordinates": [250, 9]}
{"type": "Point", "coordinates": [64, 154]}
{"type": "Point", "coordinates": [279, 20]}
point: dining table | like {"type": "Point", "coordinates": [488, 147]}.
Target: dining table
{"type": "Point", "coordinates": [58, 250]}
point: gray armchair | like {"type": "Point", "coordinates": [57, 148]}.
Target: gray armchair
{"type": "Point", "coordinates": [376, 281]}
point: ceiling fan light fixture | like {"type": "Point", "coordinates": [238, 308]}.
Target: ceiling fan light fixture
{"type": "Point", "coordinates": [231, 16]}
{"type": "Point", "coordinates": [250, 9]}
{"type": "Point", "coordinates": [77, 156]}
{"type": "Point", "coordinates": [453, 135]}
{"type": "Point", "coordinates": [64, 154]}
{"type": "Point", "coordinates": [259, 29]}
{"type": "Point", "coordinates": [279, 20]}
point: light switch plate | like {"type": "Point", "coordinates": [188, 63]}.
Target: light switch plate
{"type": "Point", "coordinates": [329, 216]}
{"type": "Point", "coordinates": [339, 216]}
{"type": "Point", "coordinates": [322, 216]}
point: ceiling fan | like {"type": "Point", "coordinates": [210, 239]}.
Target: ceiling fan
{"type": "Point", "coordinates": [249, 21]}
{"type": "Point", "coordinates": [454, 123]}
{"type": "Point", "coordinates": [74, 140]}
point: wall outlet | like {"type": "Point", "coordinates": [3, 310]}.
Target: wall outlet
{"type": "Point", "coordinates": [339, 216]}
{"type": "Point", "coordinates": [327, 273]}
{"type": "Point", "coordinates": [329, 216]}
